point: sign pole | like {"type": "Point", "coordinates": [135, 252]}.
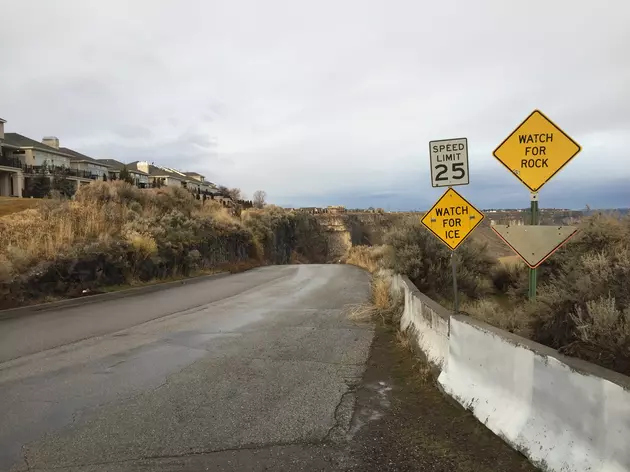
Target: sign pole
{"type": "Point", "coordinates": [452, 218]}
{"type": "Point", "coordinates": [534, 222]}
{"type": "Point", "coordinates": [455, 295]}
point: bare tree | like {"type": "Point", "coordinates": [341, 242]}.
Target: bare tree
{"type": "Point", "coordinates": [260, 197]}
{"type": "Point", "coordinates": [234, 193]}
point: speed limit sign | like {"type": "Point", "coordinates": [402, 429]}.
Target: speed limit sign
{"type": "Point", "coordinates": [449, 162]}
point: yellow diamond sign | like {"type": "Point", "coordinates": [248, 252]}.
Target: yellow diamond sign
{"type": "Point", "coordinates": [452, 218]}
{"type": "Point", "coordinates": [536, 151]}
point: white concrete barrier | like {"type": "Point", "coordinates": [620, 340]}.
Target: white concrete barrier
{"type": "Point", "coordinates": [564, 414]}
{"type": "Point", "coordinates": [427, 320]}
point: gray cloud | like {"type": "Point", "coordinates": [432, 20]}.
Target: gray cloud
{"type": "Point", "coordinates": [325, 101]}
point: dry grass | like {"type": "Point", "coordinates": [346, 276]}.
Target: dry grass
{"type": "Point", "coordinates": [113, 234]}
{"type": "Point", "coordinates": [381, 293]}
{"type": "Point", "coordinates": [366, 257]}
{"type": "Point", "coordinates": [509, 260]}
{"type": "Point", "coordinates": [9, 205]}
{"type": "Point", "coordinates": [404, 340]}
{"type": "Point", "coordinates": [496, 247]}
{"type": "Point", "coordinates": [101, 213]}
{"type": "Point", "coordinates": [216, 211]}
{"type": "Point", "coordinates": [490, 311]}
{"type": "Point", "coordinates": [382, 305]}
{"type": "Point", "coordinates": [602, 323]}
{"type": "Point", "coordinates": [45, 232]}
{"type": "Point", "coordinates": [360, 311]}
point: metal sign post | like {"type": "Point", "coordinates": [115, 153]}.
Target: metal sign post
{"type": "Point", "coordinates": [451, 220]}
{"type": "Point", "coordinates": [535, 152]}
{"type": "Point", "coordinates": [534, 222]}
{"type": "Point", "coordinates": [455, 294]}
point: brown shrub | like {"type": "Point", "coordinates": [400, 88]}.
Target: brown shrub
{"type": "Point", "coordinates": [281, 235]}
{"type": "Point", "coordinates": [383, 305]}
{"type": "Point", "coordinates": [366, 257]}
{"type": "Point", "coordinates": [501, 316]}
{"type": "Point", "coordinates": [583, 301]}
{"type": "Point", "coordinates": [583, 295]}
{"type": "Point", "coordinates": [427, 262]}
{"type": "Point", "coordinates": [114, 233]}
{"type": "Point", "coordinates": [511, 278]}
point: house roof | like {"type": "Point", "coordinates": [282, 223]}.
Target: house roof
{"type": "Point", "coordinates": [119, 165]}
{"type": "Point", "coordinates": [194, 173]}
{"type": "Point", "coordinates": [17, 140]}
{"type": "Point", "coordinates": [157, 171]}
{"type": "Point", "coordinates": [78, 157]}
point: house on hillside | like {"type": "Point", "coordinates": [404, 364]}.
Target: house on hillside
{"type": "Point", "coordinates": [140, 177]}
{"type": "Point", "coordinates": [11, 174]}
{"type": "Point", "coordinates": [159, 176]}
{"type": "Point", "coordinates": [96, 169]}
{"type": "Point", "coordinates": [210, 190]}
{"type": "Point", "coordinates": [195, 181]}
{"type": "Point", "coordinates": [40, 159]}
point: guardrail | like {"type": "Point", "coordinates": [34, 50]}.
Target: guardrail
{"type": "Point", "coordinates": [562, 413]}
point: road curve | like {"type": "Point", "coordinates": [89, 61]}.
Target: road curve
{"type": "Point", "coordinates": [253, 371]}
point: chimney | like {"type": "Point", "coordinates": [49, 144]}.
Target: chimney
{"type": "Point", "coordinates": [143, 166]}
{"type": "Point", "coordinates": [51, 141]}
{"type": "Point", "coordinates": [2, 122]}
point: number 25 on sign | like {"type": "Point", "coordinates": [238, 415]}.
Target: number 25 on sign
{"type": "Point", "coordinates": [449, 162]}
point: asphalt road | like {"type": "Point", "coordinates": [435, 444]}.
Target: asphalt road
{"type": "Point", "coordinates": [254, 371]}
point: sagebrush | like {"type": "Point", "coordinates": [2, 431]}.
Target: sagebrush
{"type": "Point", "coordinates": [113, 233]}
{"type": "Point", "coordinates": [583, 301]}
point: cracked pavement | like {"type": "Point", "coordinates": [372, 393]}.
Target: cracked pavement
{"type": "Point", "coordinates": [254, 371]}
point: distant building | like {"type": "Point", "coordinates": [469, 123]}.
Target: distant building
{"type": "Point", "coordinates": [28, 158]}
{"type": "Point", "coordinates": [82, 162]}
{"type": "Point", "coordinates": [11, 168]}
{"type": "Point", "coordinates": [140, 178]}
{"type": "Point", "coordinates": [22, 160]}
{"type": "Point", "coordinates": [336, 209]}
{"type": "Point", "coordinates": [159, 176]}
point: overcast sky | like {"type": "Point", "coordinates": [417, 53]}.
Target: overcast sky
{"type": "Point", "coordinates": [326, 102]}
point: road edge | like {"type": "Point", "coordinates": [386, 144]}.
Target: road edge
{"type": "Point", "coordinates": [80, 301]}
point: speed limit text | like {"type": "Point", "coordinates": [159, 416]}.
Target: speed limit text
{"type": "Point", "coordinates": [454, 151]}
